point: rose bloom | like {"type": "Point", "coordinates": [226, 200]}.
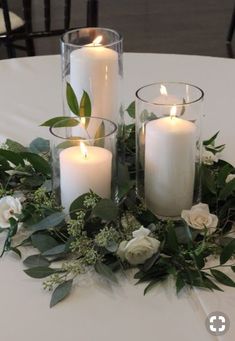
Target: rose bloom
{"type": "Point", "coordinates": [208, 158]}
{"type": "Point", "coordinates": [199, 217]}
{"type": "Point", "coordinates": [138, 249]}
{"type": "Point", "coordinates": [9, 207]}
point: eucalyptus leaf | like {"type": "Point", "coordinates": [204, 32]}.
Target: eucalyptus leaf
{"type": "Point", "coordinates": [106, 210]}
{"type": "Point", "coordinates": [36, 261]}
{"type": "Point", "coordinates": [51, 221]}
{"type": "Point", "coordinates": [77, 204]}
{"type": "Point", "coordinates": [72, 100]}
{"type": "Point", "coordinates": [105, 271]}
{"type": "Point", "coordinates": [56, 250]}
{"type": "Point", "coordinates": [61, 292]}
{"type": "Point", "coordinates": [171, 241]}
{"type": "Point", "coordinates": [40, 271]}
{"type": "Point", "coordinates": [39, 145]}
{"type": "Point", "coordinates": [43, 242]}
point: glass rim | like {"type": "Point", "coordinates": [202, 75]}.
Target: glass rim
{"type": "Point", "coordinates": [113, 130]}
{"type": "Point", "coordinates": [119, 37]}
{"type": "Point", "coordinates": [137, 94]}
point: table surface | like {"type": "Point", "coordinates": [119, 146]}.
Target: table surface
{"type": "Point", "coordinates": [30, 92]}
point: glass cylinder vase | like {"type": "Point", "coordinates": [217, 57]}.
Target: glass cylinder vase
{"type": "Point", "coordinates": [83, 158]}
{"type": "Point", "coordinates": [92, 62]}
{"type": "Point", "coordinates": [168, 146]}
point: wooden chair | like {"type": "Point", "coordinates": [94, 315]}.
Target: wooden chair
{"type": "Point", "coordinates": [25, 31]}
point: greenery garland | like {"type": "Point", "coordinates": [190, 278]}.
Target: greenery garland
{"type": "Point", "coordinates": [109, 237]}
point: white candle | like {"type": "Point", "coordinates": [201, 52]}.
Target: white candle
{"type": "Point", "coordinates": [84, 170]}
{"type": "Point", "coordinates": [169, 165]}
{"type": "Point", "coordinates": [94, 68]}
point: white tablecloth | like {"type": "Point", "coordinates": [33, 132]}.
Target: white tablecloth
{"type": "Point", "coordinates": [30, 92]}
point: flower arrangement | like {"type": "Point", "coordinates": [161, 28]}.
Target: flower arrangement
{"type": "Point", "coordinates": [106, 236]}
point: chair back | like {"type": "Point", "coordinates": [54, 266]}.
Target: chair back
{"type": "Point", "coordinates": [28, 33]}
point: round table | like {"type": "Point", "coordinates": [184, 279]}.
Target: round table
{"type": "Point", "coordinates": [30, 93]}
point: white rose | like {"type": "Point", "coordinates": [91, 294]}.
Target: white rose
{"type": "Point", "coordinates": [9, 207]}
{"type": "Point", "coordinates": [208, 158]}
{"type": "Point", "coordinates": [138, 249]}
{"type": "Point", "coordinates": [199, 217]}
{"type": "Point", "coordinates": [229, 178]}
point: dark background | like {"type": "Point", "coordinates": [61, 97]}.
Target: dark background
{"type": "Point", "coordinates": [164, 26]}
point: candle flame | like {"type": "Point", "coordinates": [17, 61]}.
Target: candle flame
{"type": "Point", "coordinates": [173, 112]}
{"type": "Point", "coordinates": [97, 40]}
{"type": "Point", "coordinates": [83, 150]}
{"type": "Point", "coordinates": [163, 90]}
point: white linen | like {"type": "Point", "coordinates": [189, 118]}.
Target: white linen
{"type": "Point", "coordinates": [30, 92]}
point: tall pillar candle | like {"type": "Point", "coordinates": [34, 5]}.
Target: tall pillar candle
{"type": "Point", "coordinates": [82, 171]}
{"type": "Point", "coordinates": [169, 165]}
{"type": "Point", "coordinates": [94, 68]}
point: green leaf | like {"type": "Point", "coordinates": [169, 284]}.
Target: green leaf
{"type": "Point", "coordinates": [77, 204]}
{"type": "Point", "coordinates": [153, 283]}
{"type": "Point", "coordinates": [39, 145]}
{"type": "Point", "coordinates": [60, 122]}
{"type": "Point", "coordinates": [171, 240]}
{"type": "Point", "coordinates": [106, 210]}
{"type": "Point", "coordinates": [15, 250]}
{"type": "Point", "coordinates": [85, 105]}
{"type": "Point", "coordinates": [222, 278]}
{"type": "Point", "coordinates": [15, 146]}
{"type": "Point", "coordinates": [131, 110]}
{"type": "Point", "coordinates": [72, 100]}
{"type": "Point", "coordinates": [43, 242]}
{"type": "Point", "coordinates": [180, 283]}
{"type": "Point", "coordinates": [208, 179]}
{"type": "Point", "coordinates": [61, 292]}
{"type": "Point", "coordinates": [36, 261]}
{"type": "Point", "coordinates": [223, 173]}
{"type": "Point", "coordinates": [211, 140]}
{"type": "Point", "coordinates": [228, 189]}
{"type": "Point", "coordinates": [105, 271]}
{"type": "Point", "coordinates": [99, 135]}
{"type": "Point", "coordinates": [49, 222]}
{"type": "Point", "coordinates": [38, 163]}
{"type": "Point", "coordinates": [56, 250]}
{"type": "Point", "coordinates": [13, 157]}
{"type": "Point", "coordinates": [40, 271]}
{"type": "Point", "coordinates": [227, 252]}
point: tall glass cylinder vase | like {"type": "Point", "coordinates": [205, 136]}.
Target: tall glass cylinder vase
{"type": "Point", "coordinates": [168, 150]}
{"type": "Point", "coordinates": [92, 62]}
{"type": "Point", "coordinates": [83, 162]}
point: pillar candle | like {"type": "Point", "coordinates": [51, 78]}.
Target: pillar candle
{"type": "Point", "coordinates": [82, 171]}
{"type": "Point", "coordinates": [169, 165]}
{"type": "Point", "coordinates": [94, 68]}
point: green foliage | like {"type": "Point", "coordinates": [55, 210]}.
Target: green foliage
{"type": "Point", "coordinates": [62, 291]}
{"type": "Point", "coordinates": [72, 100]}
{"type": "Point", "coordinates": [91, 234]}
